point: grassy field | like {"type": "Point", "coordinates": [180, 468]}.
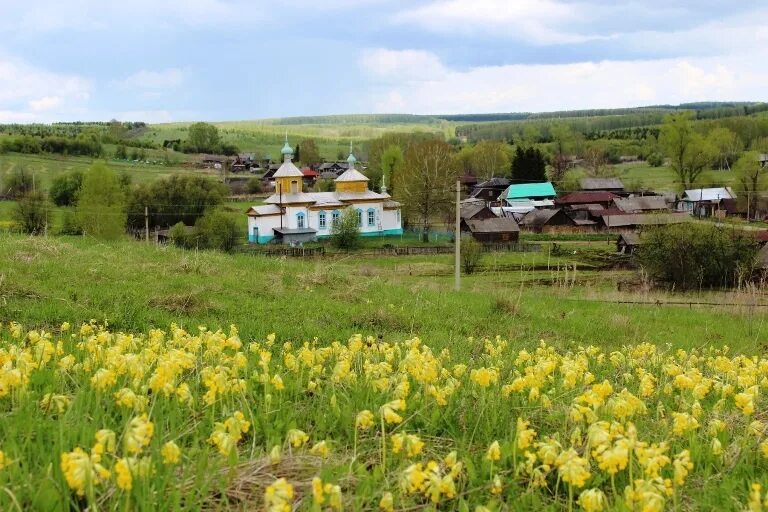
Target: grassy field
{"type": "Point", "coordinates": [580, 402]}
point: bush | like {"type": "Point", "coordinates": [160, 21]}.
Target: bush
{"type": "Point", "coordinates": [64, 188]}
{"type": "Point", "coordinates": [69, 224]}
{"type": "Point", "coordinates": [689, 256]}
{"type": "Point", "coordinates": [254, 186]}
{"type": "Point", "coordinates": [121, 153]}
{"type": "Point", "coordinates": [655, 159]}
{"type": "Point", "coordinates": [30, 214]}
{"type": "Point", "coordinates": [179, 237]}
{"type": "Point", "coordinates": [217, 230]}
{"type": "Point", "coordinates": [17, 182]}
{"type": "Point", "coordinates": [471, 254]}
{"type": "Point", "coordinates": [345, 232]}
{"type": "Point", "coordinates": [101, 203]}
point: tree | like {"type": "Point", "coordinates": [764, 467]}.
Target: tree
{"type": "Point", "coordinates": [30, 213]}
{"type": "Point", "coordinates": [345, 232]}
{"type": "Point", "coordinates": [64, 188]}
{"type": "Point", "coordinates": [596, 160]}
{"type": "Point", "coordinates": [254, 186]}
{"type": "Point", "coordinates": [427, 184]}
{"type": "Point", "coordinates": [17, 182]}
{"type": "Point", "coordinates": [689, 153]}
{"type": "Point", "coordinates": [101, 203]}
{"type": "Point", "coordinates": [726, 145]}
{"type": "Point", "coordinates": [562, 142]}
{"type": "Point", "coordinates": [297, 153]}
{"type": "Point", "coordinates": [121, 153]}
{"type": "Point", "coordinates": [391, 163]}
{"type": "Point", "coordinates": [310, 153]}
{"type": "Point", "coordinates": [490, 159]}
{"type": "Point", "coordinates": [217, 230]}
{"type": "Point", "coordinates": [464, 160]}
{"type": "Point", "coordinates": [203, 137]}
{"type": "Point", "coordinates": [690, 256]}
{"type": "Point", "coordinates": [174, 199]}
{"type": "Point", "coordinates": [471, 254]}
{"type": "Point", "coordinates": [751, 178]}
{"type": "Point", "coordinates": [528, 165]}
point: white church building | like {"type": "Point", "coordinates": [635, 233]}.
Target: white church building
{"type": "Point", "coordinates": [292, 215]}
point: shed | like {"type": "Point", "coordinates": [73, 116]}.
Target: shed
{"type": "Point", "coordinates": [540, 221]}
{"type": "Point", "coordinates": [641, 204]}
{"type": "Point", "coordinates": [628, 243]}
{"type": "Point", "coordinates": [632, 220]}
{"type": "Point", "coordinates": [490, 190]}
{"type": "Point", "coordinates": [496, 229]}
{"type": "Point", "coordinates": [614, 185]}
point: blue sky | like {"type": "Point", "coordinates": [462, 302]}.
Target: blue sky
{"type": "Point", "coordinates": [177, 60]}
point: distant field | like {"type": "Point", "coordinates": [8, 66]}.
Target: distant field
{"type": "Point", "coordinates": [664, 179]}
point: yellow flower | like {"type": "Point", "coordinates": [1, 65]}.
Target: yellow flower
{"type": "Point", "coordinates": [278, 497]}
{"type": "Point", "coordinates": [297, 438]}
{"type": "Point", "coordinates": [682, 465]}
{"type": "Point", "coordinates": [592, 500]}
{"type": "Point", "coordinates": [523, 435]}
{"type": "Point", "coordinates": [275, 456]}
{"type": "Point", "coordinates": [572, 468]}
{"type": "Point", "coordinates": [387, 503]}
{"type": "Point", "coordinates": [320, 449]}
{"type": "Point", "coordinates": [388, 411]}
{"type": "Point", "coordinates": [65, 327]}
{"type": "Point", "coordinates": [123, 472]}
{"type": "Point", "coordinates": [81, 470]}
{"type": "Point", "coordinates": [484, 377]}
{"type": "Point", "coordinates": [277, 382]}
{"type": "Point", "coordinates": [139, 434]}
{"type": "Point", "coordinates": [494, 451]}
{"type": "Point", "coordinates": [716, 447]}
{"type": "Point", "coordinates": [496, 486]}
{"type": "Point", "coordinates": [745, 402]}
{"type": "Point", "coordinates": [364, 420]}
{"type": "Point", "coordinates": [755, 498]}
{"type": "Point", "coordinates": [682, 422]}
{"type": "Point", "coordinates": [226, 435]}
{"type": "Point", "coordinates": [171, 453]}
{"type": "Point", "coordinates": [764, 449]}
{"type": "Point", "coordinates": [4, 461]}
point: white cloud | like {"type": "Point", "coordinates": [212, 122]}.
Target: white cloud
{"type": "Point", "coordinates": [401, 65]}
{"type": "Point", "coordinates": [146, 79]}
{"type": "Point", "coordinates": [28, 93]}
{"type": "Point", "coordinates": [45, 103]}
{"type": "Point", "coordinates": [536, 21]}
{"type": "Point", "coordinates": [604, 84]}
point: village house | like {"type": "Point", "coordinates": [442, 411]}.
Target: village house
{"type": "Point", "coordinates": [576, 199]}
{"type": "Point", "coordinates": [632, 221]}
{"type": "Point", "coordinates": [547, 221]}
{"type": "Point", "coordinates": [706, 202]}
{"type": "Point", "coordinates": [521, 198]}
{"type": "Point", "coordinates": [291, 215]}
{"type": "Point", "coordinates": [489, 190]}
{"type": "Point", "coordinates": [628, 243]}
{"type": "Point", "coordinates": [641, 204]}
{"type": "Point", "coordinates": [484, 226]}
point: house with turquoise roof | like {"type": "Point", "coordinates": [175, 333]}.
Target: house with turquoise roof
{"type": "Point", "coordinates": [292, 215]}
{"type": "Point", "coordinates": [524, 197]}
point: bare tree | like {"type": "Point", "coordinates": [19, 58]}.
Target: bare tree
{"type": "Point", "coordinates": [426, 185]}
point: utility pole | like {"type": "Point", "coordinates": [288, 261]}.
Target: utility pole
{"type": "Point", "coordinates": [748, 201]}
{"type": "Point", "coordinates": [457, 236]}
{"type": "Point", "coordinates": [146, 223]}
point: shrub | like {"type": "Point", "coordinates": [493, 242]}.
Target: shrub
{"type": "Point", "coordinates": [101, 203]}
{"type": "Point", "coordinates": [254, 186]}
{"type": "Point", "coordinates": [345, 232]}
{"type": "Point", "coordinates": [17, 182]}
{"type": "Point", "coordinates": [179, 237]}
{"type": "Point", "coordinates": [655, 159]}
{"type": "Point", "coordinates": [217, 230]}
{"type": "Point", "coordinates": [689, 256]}
{"type": "Point", "coordinates": [64, 188]}
{"type": "Point", "coordinates": [30, 214]}
{"type": "Point", "coordinates": [69, 224]}
{"type": "Point", "coordinates": [471, 254]}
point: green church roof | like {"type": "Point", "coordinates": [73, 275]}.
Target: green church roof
{"type": "Point", "coordinates": [528, 190]}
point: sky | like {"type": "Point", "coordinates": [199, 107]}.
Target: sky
{"type": "Point", "coordinates": [217, 60]}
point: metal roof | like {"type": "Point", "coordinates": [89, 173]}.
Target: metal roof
{"type": "Point", "coordinates": [493, 225]}
{"type": "Point", "coordinates": [586, 197]}
{"type": "Point", "coordinates": [529, 190]}
{"type": "Point", "coordinates": [469, 210]}
{"type": "Point", "coordinates": [644, 219]}
{"type": "Point", "coordinates": [264, 209]}
{"type": "Point", "coordinates": [708, 194]}
{"type": "Point", "coordinates": [639, 204]}
{"type": "Point", "coordinates": [288, 170]}
{"type": "Point", "coordinates": [539, 217]}
{"type": "Point", "coordinates": [601, 184]}
{"type": "Point", "coordinates": [294, 231]}
{"type": "Point", "coordinates": [352, 174]}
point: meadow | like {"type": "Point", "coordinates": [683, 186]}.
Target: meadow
{"type": "Point", "coordinates": [135, 374]}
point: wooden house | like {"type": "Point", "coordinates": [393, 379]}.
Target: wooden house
{"type": "Point", "coordinates": [614, 185]}
{"type": "Point", "coordinates": [490, 190]}
{"type": "Point", "coordinates": [547, 221]}
{"type": "Point", "coordinates": [628, 243]}
{"type": "Point", "coordinates": [642, 204]}
{"type": "Point", "coordinates": [495, 229]}
{"type": "Point", "coordinates": [604, 199]}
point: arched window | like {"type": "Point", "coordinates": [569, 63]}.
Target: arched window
{"type": "Point", "coordinates": [294, 187]}
{"type": "Point", "coordinates": [300, 220]}
{"type": "Point", "coordinates": [371, 217]}
{"type": "Point", "coordinates": [322, 221]}
{"type": "Point", "coordinates": [334, 217]}
{"type": "Point", "coordinates": [359, 218]}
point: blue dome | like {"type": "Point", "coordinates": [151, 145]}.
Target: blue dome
{"type": "Point", "coordinates": [287, 149]}
{"type": "Point", "coordinates": [351, 160]}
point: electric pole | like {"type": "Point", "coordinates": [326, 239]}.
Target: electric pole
{"type": "Point", "coordinates": [457, 236]}
{"type": "Point", "coordinates": [146, 223]}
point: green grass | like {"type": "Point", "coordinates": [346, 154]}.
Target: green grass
{"type": "Point", "coordinates": [135, 286]}
{"type": "Point", "coordinates": [663, 179]}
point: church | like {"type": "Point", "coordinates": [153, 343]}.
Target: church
{"type": "Point", "coordinates": [291, 215]}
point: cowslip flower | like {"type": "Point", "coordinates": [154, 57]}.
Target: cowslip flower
{"type": "Point", "coordinates": [278, 497]}
{"type": "Point", "coordinates": [297, 438]}
{"type": "Point", "coordinates": [4, 461]}
{"type": "Point", "coordinates": [364, 420]}
{"type": "Point", "coordinates": [387, 503]}
{"type": "Point", "coordinates": [139, 434]}
{"type": "Point", "coordinates": [592, 500]}
{"type": "Point", "coordinates": [388, 411]}
{"type": "Point", "coordinates": [682, 466]}
{"type": "Point", "coordinates": [524, 436]}
{"type": "Point", "coordinates": [484, 377]}
{"type": "Point", "coordinates": [494, 452]}
{"type": "Point", "coordinates": [81, 470]}
{"type": "Point", "coordinates": [320, 449]}
{"type": "Point", "coordinates": [572, 468]}
{"type": "Point", "coordinates": [171, 453]}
